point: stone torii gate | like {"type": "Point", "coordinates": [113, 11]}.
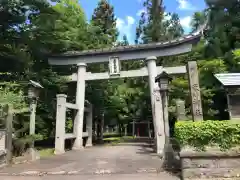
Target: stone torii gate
{"type": "Point", "coordinates": [148, 52]}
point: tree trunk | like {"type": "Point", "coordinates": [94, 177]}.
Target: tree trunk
{"type": "Point", "coordinates": [125, 130]}
{"type": "Point", "coordinates": [102, 127]}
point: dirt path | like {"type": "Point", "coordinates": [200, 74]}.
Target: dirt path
{"type": "Point", "coordinates": [125, 161]}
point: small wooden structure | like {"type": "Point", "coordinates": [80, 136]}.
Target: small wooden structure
{"type": "Point", "coordinates": [142, 128]}
{"type": "Point", "coordinates": [231, 84]}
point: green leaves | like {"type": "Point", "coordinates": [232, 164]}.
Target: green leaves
{"type": "Point", "coordinates": [223, 31]}
{"type": "Point", "coordinates": [14, 98]}
{"type": "Point", "coordinates": [203, 134]}
{"type": "Point", "coordinates": [156, 25]}
{"type": "Point", "coordinates": [104, 22]}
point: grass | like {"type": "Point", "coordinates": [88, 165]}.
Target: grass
{"type": "Point", "coordinates": [117, 140]}
{"type": "Point", "coordinates": [46, 152]}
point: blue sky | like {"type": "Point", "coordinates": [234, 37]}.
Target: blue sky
{"type": "Point", "coordinates": [128, 12]}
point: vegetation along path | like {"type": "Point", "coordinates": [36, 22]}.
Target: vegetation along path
{"type": "Point", "coordinates": [123, 161]}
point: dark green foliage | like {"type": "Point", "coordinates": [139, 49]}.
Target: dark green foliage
{"type": "Point", "coordinates": [156, 25]}
{"type": "Point", "coordinates": [224, 27]}
{"type": "Point", "coordinates": [200, 135]}
{"type": "Point", "coordinates": [104, 20]}
{"type": "Point", "coordinates": [198, 19]}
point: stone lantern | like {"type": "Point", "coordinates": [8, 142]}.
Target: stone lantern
{"type": "Point", "coordinates": [34, 90]}
{"type": "Point", "coordinates": [33, 95]}
{"type": "Point", "coordinates": [164, 80]}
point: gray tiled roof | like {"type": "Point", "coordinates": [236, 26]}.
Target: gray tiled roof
{"type": "Point", "coordinates": [229, 79]}
{"type": "Point", "coordinates": [191, 38]}
{"type": "Point", "coordinates": [194, 37]}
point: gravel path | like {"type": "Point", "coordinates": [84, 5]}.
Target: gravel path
{"type": "Point", "coordinates": [126, 161]}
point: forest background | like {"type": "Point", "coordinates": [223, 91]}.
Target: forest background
{"type": "Point", "coordinates": [29, 30]}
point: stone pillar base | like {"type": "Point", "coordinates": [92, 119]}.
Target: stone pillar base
{"type": "Point", "coordinates": [35, 154]}
{"type": "Point", "coordinates": [58, 152]}
{"type": "Point", "coordinates": [78, 144]}
{"type": "Point", "coordinates": [77, 148]}
{"type": "Point", "coordinates": [88, 145]}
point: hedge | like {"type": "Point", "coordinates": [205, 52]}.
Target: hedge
{"type": "Point", "coordinates": [199, 135]}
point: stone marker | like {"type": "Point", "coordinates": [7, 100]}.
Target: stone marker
{"type": "Point", "coordinates": [196, 102]}
{"type": "Point", "coordinates": [180, 110]}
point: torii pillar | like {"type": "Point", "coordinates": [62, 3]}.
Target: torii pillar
{"type": "Point", "coordinates": [156, 102]}
{"type": "Point", "coordinates": [80, 101]}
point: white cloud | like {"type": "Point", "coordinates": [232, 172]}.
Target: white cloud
{"type": "Point", "coordinates": [167, 16]}
{"type": "Point", "coordinates": [130, 20]}
{"type": "Point", "coordinates": [185, 22]}
{"type": "Point", "coordinates": [125, 27]}
{"type": "Point", "coordinates": [139, 13]}
{"type": "Point", "coordinates": [185, 5]}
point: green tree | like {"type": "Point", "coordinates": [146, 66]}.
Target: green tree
{"type": "Point", "coordinates": [123, 42]}
{"type": "Point", "coordinates": [224, 27]}
{"type": "Point", "coordinates": [155, 24]}
{"type": "Point", "coordinates": [65, 30]}
{"type": "Point", "coordinates": [104, 20]}
{"type": "Point", "coordinates": [198, 19]}
{"type": "Point", "coordinates": [174, 28]}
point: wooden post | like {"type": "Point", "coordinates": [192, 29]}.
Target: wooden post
{"type": "Point", "coordinates": [9, 120]}
{"type": "Point", "coordinates": [101, 126]}
{"type": "Point", "coordinates": [149, 129]}
{"type": "Point", "coordinates": [89, 126]}
{"type": "Point", "coordinates": [133, 128]}
{"type": "Point", "coordinates": [95, 129]}
{"type": "Point", "coordinates": [194, 87]}
{"type": "Point", "coordinates": [229, 105]}
{"type": "Point", "coordinates": [125, 129]}
{"type": "Point", "coordinates": [32, 150]}
{"type": "Point", "coordinates": [33, 106]}
{"type": "Point", "coordinates": [165, 114]}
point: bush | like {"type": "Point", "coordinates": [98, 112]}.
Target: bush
{"type": "Point", "coordinates": [110, 135]}
{"type": "Point", "coordinates": [202, 134]}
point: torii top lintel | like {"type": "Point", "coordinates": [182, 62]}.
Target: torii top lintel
{"type": "Point", "coordinates": [169, 48]}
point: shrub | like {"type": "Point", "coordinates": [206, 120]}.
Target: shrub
{"type": "Point", "coordinates": [202, 134]}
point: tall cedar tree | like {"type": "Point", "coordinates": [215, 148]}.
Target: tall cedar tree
{"type": "Point", "coordinates": [223, 34]}
{"type": "Point", "coordinates": [104, 27]}
{"type": "Point", "coordinates": [155, 25]}
{"type": "Point", "coordinates": [104, 18]}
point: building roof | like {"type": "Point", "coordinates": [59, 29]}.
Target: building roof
{"type": "Point", "coordinates": [229, 79]}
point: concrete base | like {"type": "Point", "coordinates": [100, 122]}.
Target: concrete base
{"type": "Point", "coordinates": [212, 164]}
{"type": "Point", "coordinates": [78, 148]}
{"type": "Point", "coordinates": [78, 144]}
{"type": "Point", "coordinates": [88, 145]}
{"type": "Point", "coordinates": [32, 154]}
{"type": "Point", "coordinates": [59, 152]}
